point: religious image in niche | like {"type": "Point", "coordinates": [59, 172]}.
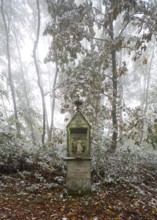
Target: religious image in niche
{"type": "Point", "coordinates": [78, 146]}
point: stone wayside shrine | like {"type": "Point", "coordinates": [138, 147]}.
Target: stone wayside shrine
{"type": "Point", "coordinates": [78, 153]}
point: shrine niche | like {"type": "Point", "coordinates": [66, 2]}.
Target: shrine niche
{"type": "Point", "coordinates": [78, 136]}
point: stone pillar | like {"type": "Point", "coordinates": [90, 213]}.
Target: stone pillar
{"type": "Point", "coordinates": [78, 153]}
{"type": "Point", "coordinates": [78, 175]}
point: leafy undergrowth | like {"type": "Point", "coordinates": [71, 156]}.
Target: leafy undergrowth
{"type": "Point", "coordinates": [36, 196]}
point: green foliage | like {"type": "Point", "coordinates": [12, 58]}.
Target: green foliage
{"type": "Point", "coordinates": [13, 156]}
{"type": "Point", "coordinates": [82, 46]}
{"type": "Point", "coordinates": [125, 166]}
{"type": "Point", "coordinates": [16, 155]}
{"type": "Point", "coordinates": [68, 29]}
{"type": "Point", "coordinates": [81, 38]}
{"type": "Point", "coordinates": [152, 135]}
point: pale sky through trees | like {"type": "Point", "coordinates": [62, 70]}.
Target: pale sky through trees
{"type": "Point", "coordinates": [80, 54]}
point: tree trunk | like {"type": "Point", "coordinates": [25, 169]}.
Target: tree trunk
{"type": "Point", "coordinates": [4, 107]}
{"type": "Point", "coordinates": [114, 104]}
{"type": "Point", "coordinates": [28, 115]}
{"type": "Point", "coordinates": [146, 95]}
{"type": "Point", "coordinates": [11, 82]}
{"type": "Point", "coordinates": [53, 95]}
{"type": "Point", "coordinates": [114, 93]}
{"type": "Point", "coordinates": [51, 133]}
{"type": "Point", "coordinates": [39, 77]}
{"type": "Point", "coordinates": [120, 103]}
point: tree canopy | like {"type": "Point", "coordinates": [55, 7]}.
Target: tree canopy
{"type": "Point", "coordinates": [53, 53]}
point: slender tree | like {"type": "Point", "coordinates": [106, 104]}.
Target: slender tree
{"type": "Point", "coordinates": [146, 91]}
{"type": "Point", "coordinates": [114, 83]}
{"type": "Point", "coordinates": [51, 134]}
{"type": "Point", "coordinates": [39, 75]}
{"type": "Point", "coordinates": [75, 26]}
{"type": "Point", "coordinates": [29, 118]}
{"type": "Point", "coordinates": [10, 78]}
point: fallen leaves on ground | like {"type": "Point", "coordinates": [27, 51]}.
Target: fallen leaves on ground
{"type": "Point", "coordinates": [109, 202]}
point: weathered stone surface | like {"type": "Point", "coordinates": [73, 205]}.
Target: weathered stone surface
{"type": "Point", "coordinates": [78, 136]}
{"type": "Point", "coordinates": [78, 153]}
{"type": "Point", "coordinates": [78, 175]}
{"type": "Point", "coordinates": [78, 185]}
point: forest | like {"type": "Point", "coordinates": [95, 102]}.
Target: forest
{"type": "Point", "coordinates": [52, 53]}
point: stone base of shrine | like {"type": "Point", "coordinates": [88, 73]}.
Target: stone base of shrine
{"type": "Point", "coordinates": [78, 177]}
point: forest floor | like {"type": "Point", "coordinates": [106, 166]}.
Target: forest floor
{"type": "Point", "coordinates": [32, 196]}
